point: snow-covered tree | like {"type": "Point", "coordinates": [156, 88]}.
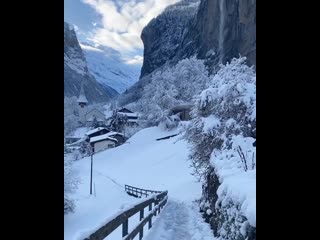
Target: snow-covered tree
{"type": "Point", "coordinates": [170, 87]}
{"type": "Point", "coordinates": [118, 122]}
{"type": "Point", "coordinates": [227, 108]}
{"type": "Point", "coordinates": [71, 114]}
{"type": "Point", "coordinates": [70, 184]}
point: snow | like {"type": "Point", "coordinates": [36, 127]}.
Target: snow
{"type": "Point", "coordinates": [128, 114]}
{"type": "Point", "coordinates": [102, 137]}
{"type": "Point", "coordinates": [237, 184]}
{"type": "Point", "coordinates": [132, 120]}
{"type": "Point", "coordinates": [146, 163]}
{"type": "Point", "coordinates": [80, 132]}
{"type": "Point", "coordinates": [113, 133]}
{"type": "Point", "coordinates": [180, 221]}
{"type": "Point", "coordinates": [82, 99]}
{"type": "Point", "coordinates": [109, 68]}
{"type": "Point", "coordinates": [95, 130]}
{"type": "Point", "coordinates": [210, 122]}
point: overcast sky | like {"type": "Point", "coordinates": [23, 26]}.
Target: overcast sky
{"type": "Point", "coordinates": [114, 23]}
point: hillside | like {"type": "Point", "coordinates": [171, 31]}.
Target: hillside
{"type": "Point", "coordinates": [162, 165]}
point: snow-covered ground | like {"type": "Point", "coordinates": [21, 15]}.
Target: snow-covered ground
{"type": "Point", "coordinates": [146, 163]}
{"type": "Point", "coordinates": [180, 220]}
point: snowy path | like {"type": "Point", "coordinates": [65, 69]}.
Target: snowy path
{"type": "Point", "coordinates": [180, 221]}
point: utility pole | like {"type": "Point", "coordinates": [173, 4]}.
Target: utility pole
{"type": "Point", "coordinates": [91, 153]}
{"type": "Point", "coordinates": [91, 174]}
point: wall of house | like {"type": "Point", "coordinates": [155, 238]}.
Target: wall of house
{"type": "Point", "coordinates": [102, 145]}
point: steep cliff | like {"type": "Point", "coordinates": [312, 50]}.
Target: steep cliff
{"type": "Point", "coordinates": [164, 34]}
{"type": "Point", "coordinates": [217, 31]}
{"type": "Point", "coordinates": [222, 29]}
{"type": "Point", "coordinates": [76, 71]}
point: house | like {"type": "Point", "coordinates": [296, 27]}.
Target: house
{"type": "Point", "coordinates": [132, 118]}
{"type": "Point", "coordinates": [96, 132]}
{"type": "Point", "coordinates": [102, 142]}
{"type": "Point", "coordinates": [182, 111]}
{"type": "Point", "coordinates": [95, 114]}
{"type": "Point", "coordinates": [116, 135]}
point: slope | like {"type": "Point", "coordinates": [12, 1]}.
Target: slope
{"type": "Point", "coordinates": [142, 162]}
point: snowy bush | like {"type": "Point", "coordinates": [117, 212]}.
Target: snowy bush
{"type": "Point", "coordinates": [222, 133]}
{"type": "Point", "coordinates": [226, 108]}
{"type": "Point", "coordinates": [70, 184]}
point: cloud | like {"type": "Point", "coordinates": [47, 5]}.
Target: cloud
{"type": "Point", "coordinates": [123, 20]}
{"type": "Point", "coordinates": [136, 60]}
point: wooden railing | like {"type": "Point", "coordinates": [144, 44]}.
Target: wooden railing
{"type": "Point", "coordinates": [159, 201]}
{"type": "Point", "coordinates": [139, 192]}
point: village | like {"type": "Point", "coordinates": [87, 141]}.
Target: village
{"type": "Point", "coordinates": [96, 132]}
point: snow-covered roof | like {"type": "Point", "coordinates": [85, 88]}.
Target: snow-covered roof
{"type": "Point", "coordinates": [96, 110]}
{"type": "Point", "coordinates": [97, 118]}
{"type": "Point", "coordinates": [82, 99]}
{"type": "Point", "coordinates": [132, 120]}
{"type": "Point", "coordinates": [128, 114]}
{"type": "Point", "coordinates": [113, 133]}
{"type": "Point", "coordinates": [95, 130]}
{"type": "Point", "coordinates": [102, 137]}
{"type": "Point", "coordinates": [182, 107]}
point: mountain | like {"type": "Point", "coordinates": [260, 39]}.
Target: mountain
{"type": "Point", "coordinates": [221, 31]}
{"type": "Point", "coordinates": [76, 71]}
{"type": "Point", "coordinates": [108, 68]}
{"type": "Point", "coordinates": [164, 34]}
{"type": "Point", "coordinates": [214, 30]}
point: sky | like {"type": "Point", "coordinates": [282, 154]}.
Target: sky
{"type": "Point", "coordinates": [114, 23]}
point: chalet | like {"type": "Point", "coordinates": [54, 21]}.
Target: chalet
{"type": "Point", "coordinates": [95, 114]}
{"type": "Point", "coordinates": [116, 135]}
{"type": "Point", "coordinates": [96, 132]}
{"type": "Point", "coordinates": [182, 111]}
{"type": "Point", "coordinates": [102, 142]}
{"type": "Point", "coordinates": [132, 118]}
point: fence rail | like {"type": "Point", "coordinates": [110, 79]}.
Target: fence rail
{"type": "Point", "coordinates": [154, 204]}
{"type": "Point", "coordinates": [139, 192]}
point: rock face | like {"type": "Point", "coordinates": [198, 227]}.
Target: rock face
{"type": "Point", "coordinates": [217, 31]}
{"type": "Point", "coordinates": [76, 71]}
{"type": "Point", "coordinates": [163, 36]}
{"type": "Point", "coordinates": [226, 27]}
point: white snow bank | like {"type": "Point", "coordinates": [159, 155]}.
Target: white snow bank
{"type": "Point", "coordinates": [236, 183]}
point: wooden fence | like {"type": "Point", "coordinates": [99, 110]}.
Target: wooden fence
{"type": "Point", "coordinates": [139, 192]}
{"type": "Point", "coordinates": [154, 204]}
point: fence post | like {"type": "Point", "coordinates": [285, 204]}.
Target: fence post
{"type": "Point", "coordinates": [125, 228]}
{"type": "Point", "coordinates": [141, 217]}
{"type": "Point", "coordinates": [150, 221]}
